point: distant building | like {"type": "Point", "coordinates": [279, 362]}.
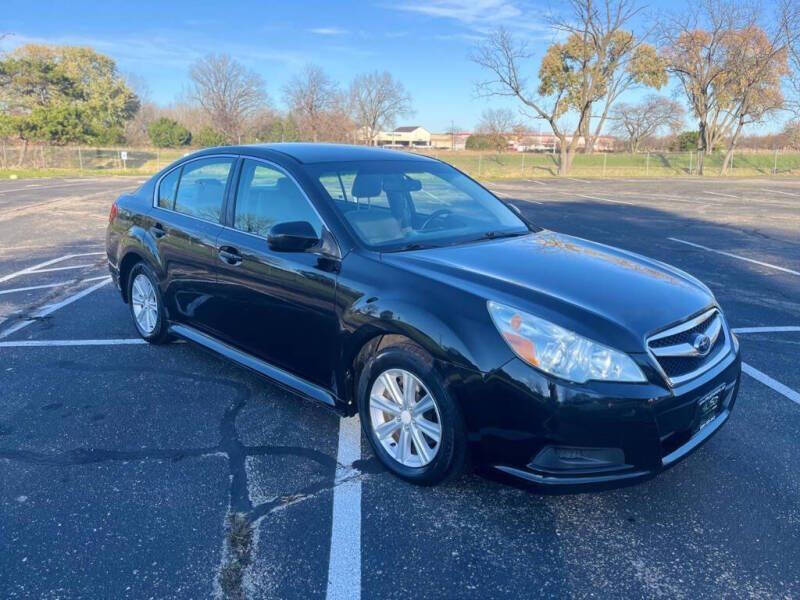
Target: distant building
{"type": "Point", "coordinates": [407, 136]}
{"type": "Point", "coordinates": [416, 136]}
{"type": "Point", "coordinates": [450, 141]}
{"type": "Point", "coordinates": [547, 142]}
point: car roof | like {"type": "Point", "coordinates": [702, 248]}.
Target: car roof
{"type": "Point", "coordinates": [317, 152]}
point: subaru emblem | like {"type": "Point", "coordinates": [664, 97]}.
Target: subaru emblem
{"type": "Point", "coordinates": [701, 343]}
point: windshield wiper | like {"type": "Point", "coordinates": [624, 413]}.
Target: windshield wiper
{"type": "Point", "coordinates": [493, 235]}
{"type": "Point", "coordinates": [414, 246]}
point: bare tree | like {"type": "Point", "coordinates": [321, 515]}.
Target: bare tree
{"type": "Point", "coordinates": [573, 75]}
{"type": "Point", "coordinates": [791, 135]}
{"type": "Point", "coordinates": [377, 100]}
{"type": "Point", "coordinates": [642, 67]}
{"type": "Point", "coordinates": [730, 68]}
{"type": "Point", "coordinates": [315, 101]}
{"type": "Point", "coordinates": [762, 62]}
{"type": "Point", "coordinates": [228, 93]}
{"type": "Point", "coordinates": [497, 125]}
{"type": "Point", "coordinates": [453, 130]}
{"type": "Point", "coordinates": [638, 122]}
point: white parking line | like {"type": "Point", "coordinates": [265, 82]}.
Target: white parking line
{"type": "Point", "coordinates": [770, 382]}
{"type": "Point", "coordinates": [344, 566]}
{"type": "Point", "coordinates": [578, 180]}
{"type": "Point", "coordinates": [776, 329]}
{"type": "Point", "coordinates": [32, 247]}
{"type": "Point", "coordinates": [42, 187]}
{"type": "Point", "coordinates": [502, 195]}
{"type": "Point", "coordinates": [720, 194]}
{"type": "Point", "coordinates": [48, 343]}
{"type": "Point", "coordinates": [59, 269]}
{"type": "Point", "coordinates": [750, 260]}
{"type": "Point", "coordinates": [597, 198]}
{"type": "Point", "coordinates": [536, 182]}
{"type": "Point", "coordinates": [40, 267]}
{"type": "Point", "coordinates": [50, 285]}
{"type": "Point", "coordinates": [780, 192]}
{"type": "Point", "coordinates": [51, 308]}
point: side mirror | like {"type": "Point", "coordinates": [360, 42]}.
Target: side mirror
{"type": "Point", "coordinates": [292, 236]}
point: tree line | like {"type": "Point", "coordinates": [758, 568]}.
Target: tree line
{"type": "Point", "coordinates": [732, 62]}
{"type": "Point", "coordinates": [64, 94]}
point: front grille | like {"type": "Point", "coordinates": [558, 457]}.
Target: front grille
{"type": "Point", "coordinates": [682, 336]}
{"type": "Point", "coordinates": [674, 348]}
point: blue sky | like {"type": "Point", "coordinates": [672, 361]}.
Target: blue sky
{"type": "Point", "coordinates": [424, 43]}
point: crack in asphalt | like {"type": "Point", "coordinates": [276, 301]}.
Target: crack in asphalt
{"type": "Point", "coordinates": [243, 516]}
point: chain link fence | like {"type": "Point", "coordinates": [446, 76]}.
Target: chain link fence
{"type": "Point", "coordinates": [81, 160]}
{"type": "Point", "coordinates": [619, 164]}
{"type": "Point", "coordinates": [86, 160]}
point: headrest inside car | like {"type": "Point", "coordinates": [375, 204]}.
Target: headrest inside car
{"type": "Point", "coordinates": [367, 185]}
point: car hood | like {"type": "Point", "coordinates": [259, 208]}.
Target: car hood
{"type": "Point", "coordinates": [607, 294]}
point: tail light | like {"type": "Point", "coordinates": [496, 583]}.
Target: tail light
{"type": "Point", "coordinates": [113, 213]}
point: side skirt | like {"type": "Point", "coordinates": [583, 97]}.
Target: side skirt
{"type": "Point", "coordinates": [283, 378]}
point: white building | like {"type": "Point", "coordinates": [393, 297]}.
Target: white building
{"type": "Point", "coordinates": [409, 136]}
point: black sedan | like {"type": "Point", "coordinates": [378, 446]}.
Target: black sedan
{"type": "Point", "coordinates": [396, 287]}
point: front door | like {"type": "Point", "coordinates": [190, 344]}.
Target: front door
{"type": "Point", "coordinates": [186, 225]}
{"type": "Point", "coordinates": [281, 304]}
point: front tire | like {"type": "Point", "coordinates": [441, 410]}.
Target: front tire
{"type": "Point", "coordinates": [147, 306]}
{"type": "Point", "coordinates": [413, 425]}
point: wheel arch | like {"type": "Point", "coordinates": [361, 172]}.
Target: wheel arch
{"type": "Point", "coordinates": [368, 342]}
{"type": "Point", "coordinates": [140, 248]}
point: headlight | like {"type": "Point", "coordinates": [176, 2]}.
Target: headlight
{"type": "Point", "coordinates": [560, 352]}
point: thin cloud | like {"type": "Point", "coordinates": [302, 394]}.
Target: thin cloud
{"type": "Point", "coordinates": [162, 48]}
{"type": "Point", "coordinates": [468, 12]}
{"type": "Point", "coordinates": [328, 31]}
{"type": "Point", "coordinates": [479, 17]}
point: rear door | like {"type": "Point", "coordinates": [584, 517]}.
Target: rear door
{"type": "Point", "coordinates": [190, 202]}
{"type": "Point", "coordinates": [280, 304]}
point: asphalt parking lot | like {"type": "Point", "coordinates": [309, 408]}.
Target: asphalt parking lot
{"type": "Point", "coordinates": [131, 471]}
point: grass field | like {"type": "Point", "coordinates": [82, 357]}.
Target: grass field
{"type": "Point", "coordinates": [506, 165]}
{"type": "Point", "coordinates": [73, 162]}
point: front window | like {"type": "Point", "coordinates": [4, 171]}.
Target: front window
{"type": "Point", "coordinates": [266, 197]}
{"type": "Point", "coordinates": [397, 205]}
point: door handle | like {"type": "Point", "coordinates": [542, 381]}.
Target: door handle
{"type": "Point", "coordinates": [158, 230]}
{"type": "Point", "coordinates": [229, 255]}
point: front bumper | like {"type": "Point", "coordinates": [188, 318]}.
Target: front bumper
{"type": "Point", "coordinates": [597, 435]}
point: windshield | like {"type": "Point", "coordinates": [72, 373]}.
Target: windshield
{"type": "Point", "coordinates": [404, 205]}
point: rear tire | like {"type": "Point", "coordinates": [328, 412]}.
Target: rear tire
{"type": "Point", "coordinates": [422, 414]}
{"type": "Point", "coordinates": [146, 304]}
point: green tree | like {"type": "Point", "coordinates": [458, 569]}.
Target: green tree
{"type": "Point", "coordinates": [480, 141]}
{"type": "Point", "coordinates": [168, 133]}
{"type": "Point", "coordinates": [688, 140]}
{"type": "Point", "coordinates": [63, 94]}
{"type": "Point", "coordinates": [207, 137]}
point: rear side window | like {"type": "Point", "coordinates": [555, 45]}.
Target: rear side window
{"type": "Point", "coordinates": [167, 189]}
{"type": "Point", "coordinates": [201, 189]}
{"type": "Point", "coordinates": [266, 197]}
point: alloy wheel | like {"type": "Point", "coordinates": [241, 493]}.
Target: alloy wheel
{"type": "Point", "coordinates": [405, 418]}
{"type": "Point", "coordinates": [145, 304]}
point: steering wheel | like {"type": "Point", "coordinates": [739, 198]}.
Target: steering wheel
{"type": "Point", "coordinates": [437, 214]}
